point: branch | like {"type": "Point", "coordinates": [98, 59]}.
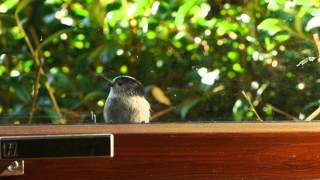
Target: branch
{"type": "Point", "coordinates": [282, 112]}
{"type": "Point", "coordinates": [313, 115]}
{"type": "Point", "coordinates": [251, 106]}
{"type": "Point", "coordinates": [317, 42]}
{"type": "Point", "coordinates": [317, 111]}
{"type": "Point", "coordinates": [35, 54]}
{"type": "Point", "coordinates": [35, 93]}
{"type": "Point", "coordinates": [169, 109]}
{"type": "Point", "coordinates": [20, 26]}
{"type": "Point", "coordinates": [38, 77]}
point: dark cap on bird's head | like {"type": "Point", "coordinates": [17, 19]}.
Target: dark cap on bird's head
{"type": "Point", "coordinates": [126, 85]}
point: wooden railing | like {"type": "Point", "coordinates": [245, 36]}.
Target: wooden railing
{"type": "Point", "coordinates": [186, 151]}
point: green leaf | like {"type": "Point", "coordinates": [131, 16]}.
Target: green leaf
{"type": "Point", "coordinates": [238, 110]}
{"type": "Point", "coordinates": [151, 35]}
{"type": "Point", "coordinates": [282, 37]}
{"type": "Point", "coordinates": [313, 23]}
{"type": "Point", "coordinates": [225, 27]}
{"type": "Point", "coordinates": [97, 14]}
{"type": "Point", "coordinates": [62, 80]}
{"type": "Point", "coordinates": [314, 11]}
{"type": "Point", "coordinates": [115, 16]}
{"type": "Point", "coordinates": [275, 5]}
{"type": "Point", "coordinates": [142, 6]}
{"type": "Point", "coordinates": [237, 67]}
{"type": "Point", "coordinates": [271, 25]}
{"type": "Point", "coordinates": [79, 10]}
{"type": "Point", "coordinates": [186, 108]}
{"type": "Point", "coordinates": [22, 93]}
{"type": "Point", "coordinates": [92, 96]}
{"type": "Point", "coordinates": [183, 10]}
{"type": "Point", "coordinates": [8, 4]}
{"type": "Point", "coordinates": [269, 44]}
{"type": "Point", "coordinates": [303, 2]}
{"type": "Point", "coordinates": [53, 115]}
{"type": "Point", "coordinates": [8, 18]}
{"type": "Point", "coordinates": [113, 6]}
{"type": "Point", "coordinates": [233, 55]}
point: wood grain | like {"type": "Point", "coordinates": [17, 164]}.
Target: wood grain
{"type": "Point", "coordinates": [174, 128]}
{"type": "Point", "coordinates": [216, 153]}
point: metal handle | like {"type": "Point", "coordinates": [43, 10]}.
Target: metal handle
{"type": "Point", "coordinates": [53, 146]}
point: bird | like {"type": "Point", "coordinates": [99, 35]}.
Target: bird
{"type": "Point", "coordinates": [126, 102]}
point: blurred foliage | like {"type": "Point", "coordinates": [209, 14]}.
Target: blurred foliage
{"type": "Point", "coordinates": [194, 57]}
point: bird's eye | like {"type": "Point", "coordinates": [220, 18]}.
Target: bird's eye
{"type": "Point", "coordinates": [119, 83]}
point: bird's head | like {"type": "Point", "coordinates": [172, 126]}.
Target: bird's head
{"type": "Point", "coordinates": [126, 86]}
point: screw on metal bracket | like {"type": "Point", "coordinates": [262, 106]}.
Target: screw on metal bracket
{"type": "Point", "coordinates": [16, 168]}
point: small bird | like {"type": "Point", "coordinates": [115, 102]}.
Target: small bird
{"type": "Point", "coordinates": [126, 102]}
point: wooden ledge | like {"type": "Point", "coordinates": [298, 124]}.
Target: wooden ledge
{"type": "Point", "coordinates": [168, 128]}
{"type": "Point", "coordinates": [186, 151]}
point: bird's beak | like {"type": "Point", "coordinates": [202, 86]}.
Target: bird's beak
{"type": "Point", "coordinates": [110, 83]}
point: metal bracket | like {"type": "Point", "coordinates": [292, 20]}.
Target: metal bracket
{"type": "Point", "coordinates": [16, 168]}
{"type": "Point", "coordinates": [56, 146]}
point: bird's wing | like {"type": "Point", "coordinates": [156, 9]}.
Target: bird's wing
{"type": "Point", "coordinates": [116, 111]}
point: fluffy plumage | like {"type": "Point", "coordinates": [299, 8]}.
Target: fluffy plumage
{"type": "Point", "coordinates": [126, 102]}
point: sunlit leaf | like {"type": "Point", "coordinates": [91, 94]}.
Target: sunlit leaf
{"type": "Point", "coordinates": [233, 55]}
{"type": "Point", "coordinates": [282, 37]}
{"type": "Point", "coordinates": [142, 6]}
{"type": "Point", "coordinates": [79, 10]}
{"type": "Point", "coordinates": [225, 27]}
{"type": "Point", "coordinates": [237, 67]}
{"type": "Point", "coordinates": [7, 5]}
{"type": "Point", "coordinates": [303, 2]}
{"type": "Point", "coordinates": [314, 11]}
{"type": "Point", "coordinates": [269, 44]}
{"type": "Point", "coordinates": [124, 69]}
{"type": "Point", "coordinates": [183, 10]}
{"type": "Point", "coordinates": [159, 95]}
{"type": "Point", "coordinates": [271, 25]}
{"type": "Point", "coordinates": [151, 35]}
{"type": "Point", "coordinates": [2, 70]}
{"type": "Point", "coordinates": [16, 33]}
{"type": "Point", "coordinates": [273, 5]}
{"type": "Point", "coordinates": [313, 23]}
{"type": "Point", "coordinates": [115, 16]}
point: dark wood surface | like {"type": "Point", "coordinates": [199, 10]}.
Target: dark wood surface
{"type": "Point", "coordinates": [218, 151]}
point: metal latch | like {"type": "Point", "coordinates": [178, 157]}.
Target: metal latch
{"type": "Point", "coordinates": [19, 148]}
{"type": "Point", "coordinates": [16, 168]}
{"type": "Point", "coordinates": [56, 146]}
